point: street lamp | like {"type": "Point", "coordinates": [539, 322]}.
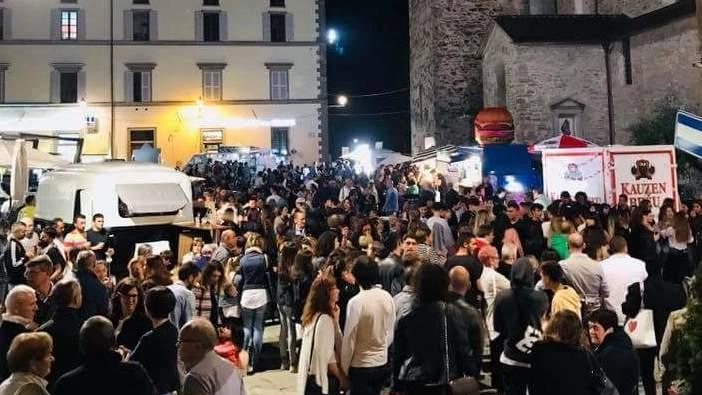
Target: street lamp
{"type": "Point", "coordinates": [342, 101]}
{"type": "Point", "coordinates": [332, 36]}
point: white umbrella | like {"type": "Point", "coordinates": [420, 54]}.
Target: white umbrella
{"type": "Point", "coordinates": [19, 173]}
{"type": "Point", "coordinates": [35, 159]}
{"type": "Point", "coordinates": [394, 159]}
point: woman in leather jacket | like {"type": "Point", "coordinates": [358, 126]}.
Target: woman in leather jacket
{"type": "Point", "coordinates": [420, 367]}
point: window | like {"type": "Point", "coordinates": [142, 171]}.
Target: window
{"type": "Point", "coordinates": [626, 51]}
{"type": "Point", "coordinates": [2, 23]}
{"type": "Point", "coordinates": [141, 25]}
{"type": "Point", "coordinates": [139, 137]}
{"type": "Point", "coordinates": [141, 83]}
{"type": "Point", "coordinates": [279, 80]}
{"type": "Point", "coordinates": [212, 84]}
{"type": "Point", "coordinates": [67, 83]}
{"type": "Point", "coordinates": [212, 80]}
{"type": "Point", "coordinates": [69, 1]}
{"type": "Point", "coordinates": [69, 25]}
{"type": "Point", "coordinates": [210, 2]}
{"type": "Point", "coordinates": [277, 3]}
{"type": "Point", "coordinates": [279, 140]}
{"type": "Point", "coordinates": [210, 27]}
{"type": "Point", "coordinates": [140, 2]}
{"type": "Point", "coordinates": [137, 82]}
{"type": "Point", "coordinates": [3, 68]}
{"type": "Point", "coordinates": [69, 87]}
{"type": "Point", "coordinates": [278, 28]}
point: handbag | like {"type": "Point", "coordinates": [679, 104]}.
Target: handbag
{"type": "Point", "coordinates": [601, 384]}
{"type": "Point", "coordinates": [462, 385]}
{"type": "Point", "coordinates": [640, 329]}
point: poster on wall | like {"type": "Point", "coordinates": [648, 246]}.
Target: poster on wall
{"type": "Point", "coordinates": [643, 173]}
{"type": "Point", "coordinates": [574, 170]}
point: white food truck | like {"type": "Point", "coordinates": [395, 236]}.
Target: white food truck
{"type": "Point", "coordinates": [140, 202]}
{"type": "Point", "coordinates": [604, 173]}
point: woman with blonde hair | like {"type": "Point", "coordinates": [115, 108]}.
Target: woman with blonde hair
{"type": "Point", "coordinates": [255, 296]}
{"type": "Point", "coordinates": [482, 217]}
{"type": "Point", "coordinates": [29, 360]}
{"type": "Point", "coordinates": [319, 369]}
{"type": "Point", "coordinates": [511, 237]}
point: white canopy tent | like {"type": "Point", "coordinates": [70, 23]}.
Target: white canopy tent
{"type": "Point", "coordinates": [35, 159]}
{"type": "Point", "coordinates": [395, 158]}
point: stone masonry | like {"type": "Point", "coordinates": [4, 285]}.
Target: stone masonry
{"type": "Point", "coordinates": [539, 76]}
{"type": "Point", "coordinates": [445, 67]}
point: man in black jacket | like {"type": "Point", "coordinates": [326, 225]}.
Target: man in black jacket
{"type": "Point", "coordinates": [38, 275]}
{"type": "Point", "coordinates": [157, 351]}
{"type": "Point", "coordinates": [95, 300]}
{"type": "Point", "coordinates": [519, 312]}
{"type": "Point", "coordinates": [64, 326]}
{"type": "Point", "coordinates": [15, 257]}
{"type": "Point", "coordinates": [459, 284]}
{"type": "Point", "coordinates": [103, 372]}
{"type": "Point", "coordinates": [20, 304]}
{"type": "Point", "coordinates": [614, 350]}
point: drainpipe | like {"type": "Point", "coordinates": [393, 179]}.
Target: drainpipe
{"type": "Point", "coordinates": [607, 45]}
{"type": "Point", "coordinates": [112, 80]}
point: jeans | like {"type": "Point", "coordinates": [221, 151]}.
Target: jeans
{"type": "Point", "coordinates": [253, 332]}
{"type": "Point", "coordinates": [367, 381]}
{"type": "Point", "coordinates": [288, 337]}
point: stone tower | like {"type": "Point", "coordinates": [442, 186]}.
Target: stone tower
{"type": "Point", "coordinates": [446, 37]}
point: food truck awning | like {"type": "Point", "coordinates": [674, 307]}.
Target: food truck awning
{"type": "Point", "coordinates": [152, 198]}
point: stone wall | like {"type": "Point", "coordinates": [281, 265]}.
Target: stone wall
{"type": "Point", "coordinates": [661, 62]}
{"type": "Point", "coordinates": [631, 8]}
{"type": "Point", "coordinates": [570, 7]}
{"type": "Point", "coordinates": [541, 75]}
{"type": "Point", "coordinates": [445, 66]}
{"type": "Point", "coordinates": [421, 72]}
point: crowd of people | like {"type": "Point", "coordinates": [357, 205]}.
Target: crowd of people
{"type": "Point", "coordinates": [396, 280]}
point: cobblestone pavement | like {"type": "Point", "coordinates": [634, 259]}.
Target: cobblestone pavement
{"type": "Point", "coordinates": [271, 382]}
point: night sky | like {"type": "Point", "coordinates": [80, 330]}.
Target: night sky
{"type": "Point", "coordinates": [375, 59]}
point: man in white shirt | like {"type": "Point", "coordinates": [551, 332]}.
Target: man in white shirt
{"type": "Point", "coordinates": [585, 275]}
{"type": "Point", "coordinates": [621, 270]}
{"type": "Point", "coordinates": [368, 333]}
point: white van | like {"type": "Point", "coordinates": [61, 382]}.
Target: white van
{"type": "Point", "coordinates": [140, 202]}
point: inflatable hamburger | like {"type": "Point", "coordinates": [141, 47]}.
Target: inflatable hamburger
{"type": "Point", "coordinates": [494, 125]}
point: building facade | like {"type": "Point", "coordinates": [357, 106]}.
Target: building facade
{"type": "Point", "coordinates": [181, 75]}
{"type": "Point", "coordinates": [545, 61]}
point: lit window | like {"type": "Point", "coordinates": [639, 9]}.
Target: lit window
{"type": "Point", "coordinates": [69, 25]}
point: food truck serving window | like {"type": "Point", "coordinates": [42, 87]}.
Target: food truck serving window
{"type": "Point", "coordinates": [138, 200]}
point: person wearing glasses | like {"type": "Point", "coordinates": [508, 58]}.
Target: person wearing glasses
{"type": "Point", "coordinates": [207, 373]}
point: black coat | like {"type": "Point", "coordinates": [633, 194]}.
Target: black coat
{"type": "Point", "coordinates": [8, 331]}
{"type": "Point", "coordinates": [424, 362]}
{"type": "Point", "coordinates": [157, 353]}
{"type": "Point", "coordinates": [95, 299]}
{"type": "Point", "coordinates": [558, 369]}
{"type": "Point", "coordinates": [660, 296]}
{"type": "Point", "coordinates": [105, 375]}
{"type": "Point", "coordinates": [133, 328]}
{"type": "Point", "coordinates": [64, 327]}
{"type": "Point", "coordinates": [619, 361]}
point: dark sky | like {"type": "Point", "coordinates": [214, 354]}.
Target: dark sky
{"type": "Point", "coordinates": [375, 39]}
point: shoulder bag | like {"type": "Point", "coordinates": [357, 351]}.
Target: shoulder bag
{"type": "Point", "coordinates": [641, 330]}
{"type": "Point", "coordinates": [462, 385]}
{"type": "Point", "coordinates": [601, 384]}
